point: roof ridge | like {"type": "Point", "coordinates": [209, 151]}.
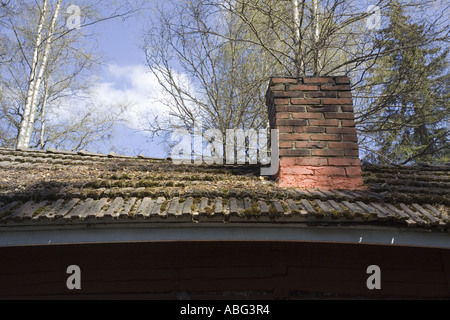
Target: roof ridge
{"type": "Point", "coordinates": [82, 153]}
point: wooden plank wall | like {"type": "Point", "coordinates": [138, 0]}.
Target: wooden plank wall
{"type": "Point", "coordinates": [223, 270]}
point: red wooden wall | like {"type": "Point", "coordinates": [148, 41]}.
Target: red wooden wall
{"type": "Point", "coordinates": [223, 270]}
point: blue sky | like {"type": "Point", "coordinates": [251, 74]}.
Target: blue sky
{"type": "Point", "coordinates": [125, 76]}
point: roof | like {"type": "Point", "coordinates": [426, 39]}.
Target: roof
{"type": "Point", "coordinates": [53, 188]}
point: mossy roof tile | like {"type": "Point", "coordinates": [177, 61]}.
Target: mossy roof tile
{"type": "Point", "coordinates": [58, 187]}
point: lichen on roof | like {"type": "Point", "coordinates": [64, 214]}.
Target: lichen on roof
{"type": "Point", "coordinates": [58, 185]}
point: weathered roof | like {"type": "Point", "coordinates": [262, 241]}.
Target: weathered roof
{"type": "Point", "coordinates": [46, 188]}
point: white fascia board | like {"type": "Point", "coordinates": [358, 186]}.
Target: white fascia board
{"type": "Point", "coordinates": [31, 236]}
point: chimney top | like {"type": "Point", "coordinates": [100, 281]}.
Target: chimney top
{"type": "Point", "coordinates": [318, 138]}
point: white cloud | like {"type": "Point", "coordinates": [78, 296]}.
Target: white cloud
{"type": "Point", "coordinates": [134, 86]}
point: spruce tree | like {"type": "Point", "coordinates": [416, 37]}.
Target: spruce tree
{"type": "Point", "coordinates": [409, 120]}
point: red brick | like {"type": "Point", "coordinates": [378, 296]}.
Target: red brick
{"type": "Point", "coordinates": [345, 94]}
{"type": "Point", "coordinates": [323, 109]}
{"type": "Point", "coordinates": [341, 130]}
{"type": "Point", "coordinates": [302, 87]}
{"type": "Point", "coordinates": [331, 171]}
{"type": "Point", "coordinates": [339, 101]}
{"type": "Point", "coordinates": [305, 102]}
{"type": "Point", "coordinates": [310, 145]}
{"type": "Point", "coordinates": [286, 144]}
{"type": "Point", "coordinates": [326, 137]}
{"type": "Point", "coordinates": [343, 145]}
{"type": "Point", "coordinates": [278, 87]}
{"type": "Point", "coordinates": [283, 115]}
{"type": "Point", "coordinates": [342, 80]}
{"type": "Point", "coordinates": [289, 122]}
{"type": "Point", "coordinates": [311, 161]}
{"type": "Point", "coordinates": [281, 101]}
{"type": "Point", "coordinates": [322, 182]}
{"type": "Point", "coordinates": [344, 162]}
{"type": "Point", "coordinates": [281, 109]}
{"type": "Point", "coordinates": [352, 152]}
{"type": "Point", "coordinates": [288, 94]}
{"type": "Point", "coordinates": [283, 80]}
{"type": "Point", "coordinates": [298, 171]}
{"type": "Point", "coordinates": [329, 87]}
{"type": "Point", "coordinates": [318, 80]}
{"type": "Point", "coordinates": [287, 162]}
{"type": "Point", "coordinates": [299, 129]}
{"type": "Point", "coordinates": [348, 109]}
{"type": "Point", "coordinates": [295, 153]}
{"type": "Point", "coordinates": [285, 129]}
{"type": "Point", "coordinates": [294, 137]}
{"type": "Point", "coordinates": [321, 94]}
{"type": "Point", "coordinates": [326, 123]}
{"type": "Point", "coordinates": [314, 130]}
{"type": "Point", "coordinates": [295, 109]}
{"type": "Point", "coordinates": [328, 153]}
{"type": "Point", "coordinates": [339, 115]}
{"type": "Point", "coordinates": [306, 115]}
{"type": "Point", "coordinates": [350, 138]}
{"type": "Point", "coordinates": [348, 123]}
{"type": "Point", "coordinates": [353, 171]}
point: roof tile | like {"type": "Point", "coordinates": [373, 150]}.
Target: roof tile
{"type": "Point", "coordinates": [87, 186]}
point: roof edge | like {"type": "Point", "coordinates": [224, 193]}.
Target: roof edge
{"type": "Point", "coordinates": [212, 232]}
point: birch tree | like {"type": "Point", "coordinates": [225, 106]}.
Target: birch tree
{"type": "Point", "coordinates": [291, 38]}
{"type": "Point", "coordinates": [204, 76]}
{"type": "Point", "coordinates": [4, 10]}
{"type": "Point", "coordinates": [49, 59]}
{"type": "Point", "coordinates": [37, 73]}
{"type": "Point", "coordinates": [213, 58]}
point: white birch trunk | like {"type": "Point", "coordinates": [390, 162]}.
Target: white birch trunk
{"type": "Point", "coordinates": [42, 69]}
{"type": "Point", "coordinates": [296, 9]}
{"type": "Point", "coordinates": [21, 141]}
{"type": "Point", "coordinates": [43, 110]}
{"type": "Point", "coordinates": [316, 37]}
{"type": "Point", "coordinates": [298, 40]}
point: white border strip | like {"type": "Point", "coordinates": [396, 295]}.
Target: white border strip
{"type": "Point", "coordinates": [186, 232]}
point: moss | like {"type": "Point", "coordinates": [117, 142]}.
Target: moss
{"type": "Point", "coordinates": [122, 184]}
{"type": "Point", "coordinates": [39, 211]}
{"type": "Point", "coordinates": [348, 214]}
{"type": "Point", "coordinates": [144, 193]}
{"type": "Point", "coordinates": [147, 184]}
{"type": "Point", "coordinates": [93, 193]}
{"type": "Point", "coordinates": [248, 212]}
{"type": "Point", "coordinates": [255, 209]}
{"type": "Point", "coordinates": [133, 209]}
{"type": "Point", "coordinates": [273, 211]}
{"type": "Point", "coordinates": [164, 206]}
{"type": "Point", "coordinates": [10, 211]}
{"type": "Point", "coordinates": [94, 184]}
{"type": "Point", "coordinates": [336, 214]}
{"type": "Point", "coordinates": [209, 210]}
{"type": "Point", "coordinates": [319, 213]}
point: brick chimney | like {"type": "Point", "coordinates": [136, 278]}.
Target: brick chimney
{"type": "Point", "coordinates": [318, 139]}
